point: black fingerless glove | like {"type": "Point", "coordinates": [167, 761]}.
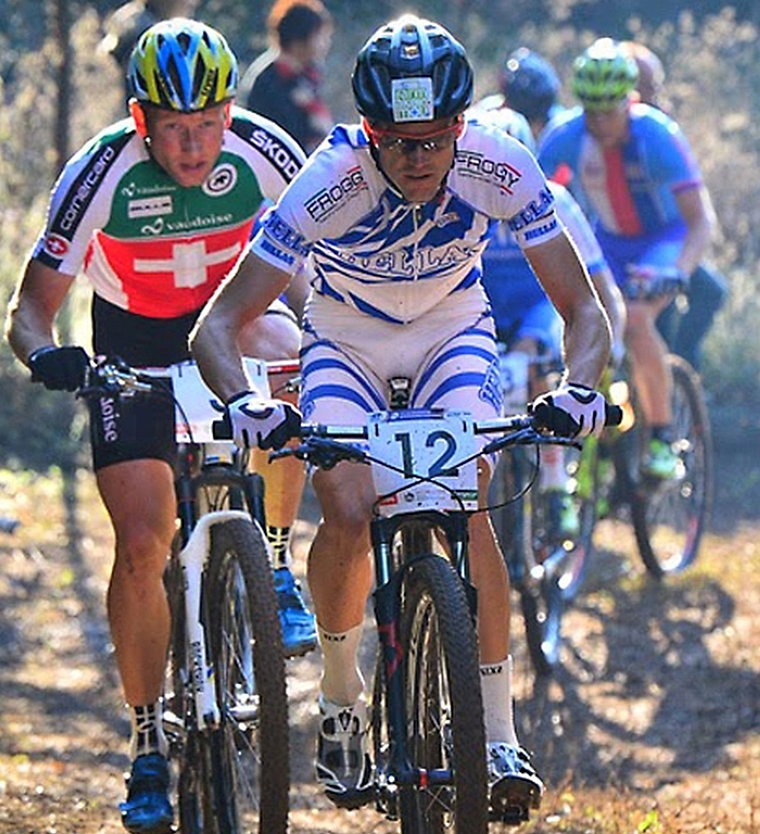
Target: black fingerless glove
{"type": "Point", "coordinates": [59, 368]}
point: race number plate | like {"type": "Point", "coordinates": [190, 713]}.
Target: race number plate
{"type": "Point", "coordinates": [513, 369]}
{"type": "Point", "coordinates": [198, 407]}
{"type": "Point", "coordinates": [426, 450]}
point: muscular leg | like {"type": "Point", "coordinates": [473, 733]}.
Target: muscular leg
{"type": "Point", "coordinates": [139, 497]}
{"type": "Point", "coordinates": [650, 371]}
{"type": "Point", "coordinates": [340, 571]}
{"type": "Point", "coordinates": [489, 575]}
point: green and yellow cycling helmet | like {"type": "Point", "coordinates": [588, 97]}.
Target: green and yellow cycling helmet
{"type": "Point", "coordinates": [603, 75]}
{"type": "Point", "coordinates": [182, 65]}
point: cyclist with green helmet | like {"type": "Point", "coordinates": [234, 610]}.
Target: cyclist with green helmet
{"type": "Point", "coordinates": [395, 212]}
{"type": "Point", "coordinates": [155, 211]}
{"type": "Point", "coordinates": [631, 168]}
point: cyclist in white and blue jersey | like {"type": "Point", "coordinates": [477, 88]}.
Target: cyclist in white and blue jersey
{"type": "Point", "coordinates": [395, 213]}
{"type": "Point", "coordinates": [632, 166]}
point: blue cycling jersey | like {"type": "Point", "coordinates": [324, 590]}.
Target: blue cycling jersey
{"type": "Point", "coordinates": [629, 189]}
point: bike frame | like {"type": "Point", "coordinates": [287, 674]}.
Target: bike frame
{"type": "Point", "coordinates": [388, 578]}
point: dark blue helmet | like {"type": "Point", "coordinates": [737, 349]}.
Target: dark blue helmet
{"type": "Point", "coordinates": [530, 84]}
{"type": "Point", "coordinates": [412, 70]}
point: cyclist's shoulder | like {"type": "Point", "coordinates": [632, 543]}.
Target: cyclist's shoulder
{"type": "Point", "coordinates": [494, 172]}
{"type": "Point", "coordinates": [258, 140]}
{"type": "Point", "coordinates": [651, 122]}
{"type": "Point", "coordinates": [565, 125]}
{"type": "Point", "coordinates": [339, 185]}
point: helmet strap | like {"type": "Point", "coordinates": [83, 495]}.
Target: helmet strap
{"type": "Point", "coordinates": [138, 117]}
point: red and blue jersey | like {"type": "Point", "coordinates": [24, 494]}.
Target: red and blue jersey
{"type": "Point", "coordinates": [630, 189]}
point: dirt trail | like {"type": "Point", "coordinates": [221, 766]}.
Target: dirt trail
{"type": "Point", "coordinates": [653, 720]}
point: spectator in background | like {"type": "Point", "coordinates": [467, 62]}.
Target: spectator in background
{"type": "Point", "coordinates": [284, 84]}
{"type": "Point", "coordinates": [683, 331]}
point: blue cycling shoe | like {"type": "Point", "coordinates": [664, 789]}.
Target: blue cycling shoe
{"type": "Point", "coordinates": [147, 809]}
{"type": "Point", "coordinates": [299, 628]}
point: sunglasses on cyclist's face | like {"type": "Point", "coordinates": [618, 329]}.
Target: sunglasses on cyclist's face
{"type": "Point", "coordinates": [407, 143]}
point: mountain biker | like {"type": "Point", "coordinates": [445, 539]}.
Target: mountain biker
{"type": "Point", "coordinates": [684, 332]}
{"type": "Point", "coordinates": [529, 85]}
{"type": "Point", "coordinates": [395, 212]}
{"type": "Point", "coordinates": [155, 210]}
{"type": "Point", "coordinates": [527, 324]}
{"type": "Point", "coordinates": [633, 166]}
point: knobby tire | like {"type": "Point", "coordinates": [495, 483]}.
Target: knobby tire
{"type": "Point", "coordinates": [250, 749]}
{"type": "Point", "coordinates": [444, 712]}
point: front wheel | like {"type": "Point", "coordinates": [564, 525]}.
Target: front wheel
{"type": "Point", "coordinates": [249, 751]}
{"type": "Point", "coordinates": [444, 712]}
{"type": "Point", "coordinates": [669, 516]}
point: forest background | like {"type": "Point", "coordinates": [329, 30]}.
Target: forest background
{"type": "Point", "coordinates": [57, 89]}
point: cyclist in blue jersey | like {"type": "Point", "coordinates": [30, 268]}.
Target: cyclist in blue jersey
{"type": "Point", "coordinates": [633, 166]}
{"type": "Point", "coordinates": [683, 331]}
{"type": "Point", "coordinates": [395, 212]}
{"type": "Point", "coordinates": [527, 324]}
{"type": "Point", "coordinates": [155, 211]}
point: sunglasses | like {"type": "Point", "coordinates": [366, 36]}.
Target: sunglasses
{"type": "Point", "coordinates": [396, 143]}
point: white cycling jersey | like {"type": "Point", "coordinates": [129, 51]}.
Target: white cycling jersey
{"type": "Point", "coordinates": [387, 257]}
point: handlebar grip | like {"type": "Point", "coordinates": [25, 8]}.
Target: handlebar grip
{"type": "Point", "coordinates": [613, 415]}
{"type": "Point", "coordinates": [222, 429]}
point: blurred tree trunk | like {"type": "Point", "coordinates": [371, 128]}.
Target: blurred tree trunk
{"type": "Point", "coordinates": [62, 37]}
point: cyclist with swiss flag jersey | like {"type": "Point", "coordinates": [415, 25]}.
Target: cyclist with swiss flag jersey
{"type": "Point", "coordinates": [156, 211]}
{"type": "Point", "coordinates": [632, 170]}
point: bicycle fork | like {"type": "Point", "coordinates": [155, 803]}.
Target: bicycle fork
{"type": "Point", "coordinates": [400, 771]}
{"type": "Point", "coordinates": [193, 562]}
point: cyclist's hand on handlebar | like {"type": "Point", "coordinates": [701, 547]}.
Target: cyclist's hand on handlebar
{"type": "Point", "coordinates": [572, 410]}
{"type": "Point", "coordinates": [59, 368]}
{"type": "Point", "coordinates": [649, 282]}
{"type": "Point", "coordinates": [267, 424]}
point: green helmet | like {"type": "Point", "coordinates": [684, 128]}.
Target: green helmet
{"type": "Point", "coordinates": [182, 65]}
{"type": "Point", "coordinates": [603, 75]}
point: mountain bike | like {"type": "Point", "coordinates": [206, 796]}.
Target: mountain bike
{"type": "Point", "coordinates": [668, 516]}
{"type": "Point", "coordinates": [225, 703]}
{"type": "Point", "coordinates": [426, 724]}
{"type": "Point", "coordinates": [546, 567]}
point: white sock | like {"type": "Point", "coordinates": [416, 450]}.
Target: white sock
{"type": "Point", "coordinates": [553, 473]}
{"type": "Point", "coordinates": [498, 714]}
{"type": "Point", "coordinates": [342, 681]}
{"type": "Point", "coordinates": [147, 731]}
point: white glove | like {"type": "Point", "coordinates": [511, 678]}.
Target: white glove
{"type": "Point", "coordinates": [268, 424]}
{"type": "Point", "coordinates": [573, 410]}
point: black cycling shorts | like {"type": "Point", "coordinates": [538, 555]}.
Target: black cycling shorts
{"type": "Point", "coordinates": [133, 428]}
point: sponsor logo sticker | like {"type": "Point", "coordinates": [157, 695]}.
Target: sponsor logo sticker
{"type": "Point", "coordinates": [150, 207]}
{"type": "Point", "coordinates": [412, 99]}
{"type": "Point", "coordinates": [56, 245]}
{"type": "Point", "coordinates": [221, 180]}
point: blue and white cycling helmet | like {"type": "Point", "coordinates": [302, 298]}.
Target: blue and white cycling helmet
{"type": "Point", "coordinates": [412, 70]}
{"type": "Point", "coordinates": [183, 65]}
{"type": "Point", "coordinates": [530, 84]}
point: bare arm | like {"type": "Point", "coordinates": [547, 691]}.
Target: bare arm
{"type": "Point", "coordinates": [612, 300]}
{"type": "Point", "coordinates": [214, 340]}
{"type": "Point", "coordinates": [587, 330]}
{"type": "Point", "coordinates": [697, 211]}
{"type": "Point", "coordinates": [33, 308]}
